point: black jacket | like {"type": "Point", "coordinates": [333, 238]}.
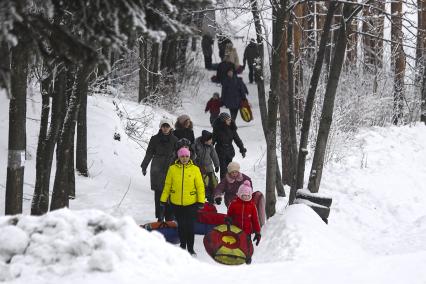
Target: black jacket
{"type": "Point", "coordinates": [223, 135]}
{"type": "Point", "coordinates": [250, 53]}
{"type": "Point", "coordinates": [187, 133]}
{"type": "Point", "coordinates": [161, 151]}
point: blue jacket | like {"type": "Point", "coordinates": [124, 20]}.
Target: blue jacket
{"type": "Point", "coordinates": [233, 91]}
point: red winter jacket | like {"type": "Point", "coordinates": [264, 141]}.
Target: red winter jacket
{"type": "Point", "coordinates": [244, 215]}
{"type": "Point", "coordinates": [214, 106]}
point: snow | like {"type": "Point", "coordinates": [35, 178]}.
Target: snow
{"type": "Point", "coordinates": [376, 231]}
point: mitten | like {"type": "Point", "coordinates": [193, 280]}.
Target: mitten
{"type": "Point", "coordinates": [243, 152]}
{"type": "Point", "coordinates": [228, 220]}
{"type": "Point", "coordinates": [257, 238]}
{"type": "Point", "coordinates": [144, 172]}
{"type": "Point", "coordinates": [200, 205]}
{"type": "Point", "coordinates": [218, 200]}
{"type": "Point", "coordinates": [216, 169]}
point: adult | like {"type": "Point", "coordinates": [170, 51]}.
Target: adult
{"type": "Point", "coordinates": [222, 40]}
{"type": "Point", "coordinates": [250, 54]}
{"type": "Point", "coordinates": [230, 184]}
{"type": "Point", "coordinates": [224, 133]}
{"type": "Point", "coordinates": [223, 68]}
{"type": "Point", "coordinates": [183, 128]}
{"type": "Point", "coordinates": [232, 55]}
{"type": "Point", "coordinates": [184, 188]}
{"type": "Point", "coordinates": [207, 159]}
{"type": "Point", "coordinates": [207, 47]}
{"type": "Point", "coordinates": [233, 92]}
{"type": "Point", "coordinates": [160, 150]}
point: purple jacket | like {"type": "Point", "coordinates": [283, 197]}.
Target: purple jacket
{"type": "Point", "coordinates": [230, 187]}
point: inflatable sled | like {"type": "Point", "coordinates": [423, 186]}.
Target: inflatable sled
{"type": "Point", "coordinates": [228, 244]}
{"type": "Point", "coordinates": [168, 229]}
{"type": "Point", "coordinates": [259, 200]}
{"type": "Point", "coordinates": [207, 219]}
{"type": "Point", "coordinates": [245, 111]}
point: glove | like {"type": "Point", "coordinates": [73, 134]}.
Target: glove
{"type": "Point", "coordinates": [228, 220]}
{"type": "Point", "coordinates": [216, 169]}
{"type": "Point", "coordinates": [144, 172]}
{"type": "Point", "coordinates": [199, 205]}
{"type": "Point", "coordinates": [161, 213]}
{"type": "Point", "coordinates": [243, 152]}
{"type": "Point", "coordinates": [218, 200]}
{"type": "Point", "coordinates": [257, 238]}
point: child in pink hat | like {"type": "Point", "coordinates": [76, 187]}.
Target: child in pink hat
{"type": "Point", "coordinates": [243, 213]}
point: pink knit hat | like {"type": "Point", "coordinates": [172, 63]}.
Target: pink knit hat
{"type": "Point", "coordinates": [183, 152]}
{"type": "Point", "coordinates": [245, 189]}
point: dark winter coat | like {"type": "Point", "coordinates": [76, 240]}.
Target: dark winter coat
{"type": "Point", "coordinates": [222, 69]}
{"type": "Point", "coordinates": [205, 155]}
{"type": "Point", "coordinates": [229, 187]}
{"type": "Point", "coordinates": [213, 105]}
{"type": "Point", "coordinates": [233, 92]}
{"type": "Point", "coordinates": [250, 53]}
{"type": "Point", "coordinates": [187, 133]}
{"type": "Point", "coordinates": [244, 215]}
{"type": "Point", "coordinates": [222, 41]}
{"type": "Point", "coordinates": [207, 45]}
{"type": "Point", "coordinates": [160, 151]}
{"type": "Point", "coordinates": [223, 135]}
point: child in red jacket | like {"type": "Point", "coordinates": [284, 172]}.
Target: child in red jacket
{"type": "Point", "coordinates": [243, 213]}
{"type": "Point", "coordinates": [213, 105]}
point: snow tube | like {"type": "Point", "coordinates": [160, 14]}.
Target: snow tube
{"type": "Point", "coordinates": [211, 218]}
{"type": "Point", "coordinates": [245, 111]}
{"type": "Point", "coordinates": [208, 207]}
{"type": "Point", "coordinates": [228, 244]}
{"type": "Point", "coordinates": [168, 229]}
{"type": "Point", "coordinates": [259, 200]}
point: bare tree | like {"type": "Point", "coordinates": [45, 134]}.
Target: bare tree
{"type": "Point", "coordinates": [17, 123]}
{"type": "Point", "coordinates": [398, 60]}
{"type": "Point", "coordinates": [330, 93]}
{"type": "Point", "coordinates": [307, 115]}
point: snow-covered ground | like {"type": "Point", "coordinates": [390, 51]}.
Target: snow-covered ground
{"type": "Point", "coordinates": [376, 232]}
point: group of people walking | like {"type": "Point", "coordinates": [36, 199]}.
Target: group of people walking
{"type": "Point", "coordinates": [183, 175]}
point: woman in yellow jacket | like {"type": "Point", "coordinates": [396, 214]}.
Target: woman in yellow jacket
{"type": "Point", "coordinates": [184, 187]}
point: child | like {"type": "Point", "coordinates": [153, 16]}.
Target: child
{"type": "Point", "coordinates": [206, 159]}
{"type": "Point", "coordinates": [243, 213]}
{"type": "Point", "coordinates": [213, 105]}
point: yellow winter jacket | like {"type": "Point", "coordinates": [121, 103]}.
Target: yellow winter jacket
{"type": "Point", "coordinates": [184, 184]}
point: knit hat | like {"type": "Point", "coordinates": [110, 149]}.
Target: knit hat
{"type": "Point", "coordinates": [183, 152]}
{"type": "Point", "coordinates": [233, 167]}
{"type": "Point", "coordinates": [182, 118]}
{"type": "Point", "coordinates": [165, 120]}
{"type": "Point", "coordinates": [206, 135]}
{"type": "Point", "coordinates": [245, 189]}
{"type": "Point", "coordinates": [224, 116]}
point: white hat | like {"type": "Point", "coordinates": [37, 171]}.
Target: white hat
{"type": "Point", "coordinates": [165, 120]}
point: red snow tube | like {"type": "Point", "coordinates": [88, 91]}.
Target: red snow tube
{"type": "Point", "coordinates": [259, 200]}
{"type": "Point", "coordinates": [228, 244]}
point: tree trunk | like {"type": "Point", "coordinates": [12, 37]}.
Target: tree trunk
{"type": "Point", "coordinates": [5, 67]}
{"type": "Point", "coordinates": [373, 24]}
{"type": "Point", "coordinates": [81, 149]}
{"type": "Point", "coordinates": [298, 69]}
{"type": "Point", "coordinates": [352, 50]}
{"type": "Point", "coordinates": [423, 94]}
{"type": "Point", "coordinates": [258, 77]}
{"type": "Point", "coordinates": [330, 93]}
{"type": "Point", "coordinates": [291, 106]}
{"type": "Point", "coordinates": [143, 73]}
{"type": "Point", "coordinates": [284, 112]}
{"type": "Point", "coordinates": [40, 204]}
{"type": "Point", "coordinates": [17, 128]}
{"type": "Point", "coordinates": [271, 155]}
{"type": "Point", "coordinates": [307, 115]}
{"type": "Point", "coordinates": [154, 66]}
{"type": "Point", "coordinates": [398, 60]}
{"type": "Point", "coordinates": [61, 185]}
{"type": "Point", "coordinates": [46, 86]}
